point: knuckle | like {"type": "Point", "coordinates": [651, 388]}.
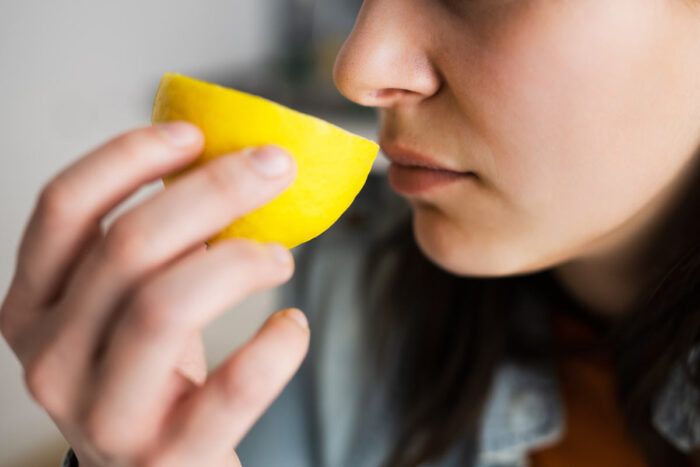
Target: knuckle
{"type": "Point", "coordinates": [224, 181]}
{"type": "Point", "coordinates": [151, 314]}
{"type": "Point", "coordinates": [6, 326]}
{"type": "Point", "coordinates": [41, 385]}
{"type": "Point", "coordinates": [245, 250]}
{"type": "Point", "coordinates": [247, 387]}
{"type": "Point", "coordinates": [112, 435]}
{"type": "Point", "coordinates": [261, 263]}
{"type": "Point", "coordinates": [253, 265]}
{"type": "Point", "coordinates": [13, 313]}
{"type": "Point", "coordinates": [132, 146]}
{"type": "Point", "coordinates": [154, 134]}
{"type": "Point", "coordinates": [56, 203]}
{"type": "Point", "coordinates": [136, 141]}
{"type": "Point", "coordinates": [33, 380]}
{"type": "Point", "coordinates": [124, 243]}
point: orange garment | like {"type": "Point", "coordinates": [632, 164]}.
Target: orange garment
{"type": "Point", "coordinates": [594, 430]}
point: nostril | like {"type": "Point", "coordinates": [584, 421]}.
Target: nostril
{"type": "Point", "coordinates": [389, 96]}
{"type": "Point", "coordinates": [387, 93]}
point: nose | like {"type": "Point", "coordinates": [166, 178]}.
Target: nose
{"type": "Point", "coordinates": [385, 60]}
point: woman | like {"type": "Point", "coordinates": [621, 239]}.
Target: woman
{"type": "Point", "coordinates": [548, 152]}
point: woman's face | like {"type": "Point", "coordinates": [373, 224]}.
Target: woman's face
{"type": "Point", "coordinates": [577, 116]}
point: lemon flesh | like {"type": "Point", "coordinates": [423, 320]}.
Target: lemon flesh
{"type": "Point", "coordinates": [332, 164]}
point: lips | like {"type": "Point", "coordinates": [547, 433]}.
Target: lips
{"type": "Point", "coordinates": [414, 173]}
{"type": "Point", "coordinates": [410, 158]}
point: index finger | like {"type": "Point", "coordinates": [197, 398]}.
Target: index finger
{"type": "Point", "coordinates": [71, 205]}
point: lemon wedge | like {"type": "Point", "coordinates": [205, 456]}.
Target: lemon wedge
{"type": "Point", "coordinates": [332, 164]}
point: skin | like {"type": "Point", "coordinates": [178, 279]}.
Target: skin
{"type": "Point", "coordinates": [581, 119]}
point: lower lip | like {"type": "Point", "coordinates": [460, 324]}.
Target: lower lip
{"type": "Point", "coordinates": [413, 180]}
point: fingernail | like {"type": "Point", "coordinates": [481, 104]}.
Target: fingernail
{"type": "Point", "coordinates": [280, 253]}
{"type": "Point", "coordinates": [297, 316]}
{"type": "Point", "coordinates": [271, 161]}
{"type": "Point", "coordinates": [178, 133]}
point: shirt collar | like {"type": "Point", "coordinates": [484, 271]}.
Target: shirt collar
{"type": "Point", "coordinates": [524, 410]}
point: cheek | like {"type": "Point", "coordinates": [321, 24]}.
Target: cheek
{"type": "Point", "coordinates": [577, 112]}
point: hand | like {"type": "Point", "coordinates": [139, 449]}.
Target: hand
{"type": "Point", "coordinates": [107, 324]}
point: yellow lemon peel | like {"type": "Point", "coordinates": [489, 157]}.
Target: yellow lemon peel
{"type": "Point", "coordinates": [332, 164]}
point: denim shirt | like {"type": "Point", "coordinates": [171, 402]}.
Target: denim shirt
{"type": "Point", "coordinates": [330, 416]}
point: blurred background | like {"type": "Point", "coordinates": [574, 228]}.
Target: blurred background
{"type": "Point", "coordinates": [77, 72]}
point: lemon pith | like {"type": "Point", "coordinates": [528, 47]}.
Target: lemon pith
{"type": "Point", "coordinates": [332, 164]}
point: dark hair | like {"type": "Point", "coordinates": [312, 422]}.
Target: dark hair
{"type": "Point", "coordinates": [450, 332]}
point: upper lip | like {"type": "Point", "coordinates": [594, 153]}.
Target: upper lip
{"type": "Point", "coordinates": [402, 155]}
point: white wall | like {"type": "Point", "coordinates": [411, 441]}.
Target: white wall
{"type": "Point", "coordinates": [73, 73]}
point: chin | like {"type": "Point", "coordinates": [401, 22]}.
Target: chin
{"type": "Point", "coordinates": [464, 253]}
